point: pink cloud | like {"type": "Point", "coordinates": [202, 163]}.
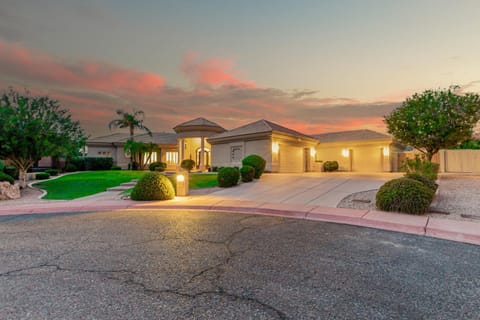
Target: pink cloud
{"type": "Point", "coordinates": [25, 63]}
{"type": "Point", "coordinates": [212, 72]}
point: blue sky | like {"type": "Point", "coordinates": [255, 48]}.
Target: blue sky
{"type": "Point", "coordinates": [315, 66]}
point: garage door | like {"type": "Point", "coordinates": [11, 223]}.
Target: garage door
{"type": "Point", "coordinates": [367, 159]}
{"type": "Point", "coordinates": [291, 159]}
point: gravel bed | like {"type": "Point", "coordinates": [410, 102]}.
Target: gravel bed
{"type": "Point", "coordinates": [458, 198]}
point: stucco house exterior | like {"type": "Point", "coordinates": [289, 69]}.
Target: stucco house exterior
{"type": "Point", "coordinates": [192, 141]}
{"type": "Point", "coordinates": [357, 150]}
{"type": "Point", "coordinates": [112, 146]}
{"type": "Point", "coordinates": [284, 149]}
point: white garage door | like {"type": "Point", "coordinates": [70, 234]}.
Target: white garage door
{"type": "Point", "coordinates": [291, 159]}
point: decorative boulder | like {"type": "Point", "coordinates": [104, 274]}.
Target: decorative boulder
{"type": "Point", "coordinates": [9, 191]}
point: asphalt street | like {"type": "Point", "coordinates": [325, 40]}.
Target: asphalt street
{"type": "Point", "coordinates": [156, 264]}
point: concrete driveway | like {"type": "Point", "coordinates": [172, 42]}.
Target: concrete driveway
{"type": "Point", "coordinates": [155, 264]}
{"type": "Point", "coordinates": [325, 189]}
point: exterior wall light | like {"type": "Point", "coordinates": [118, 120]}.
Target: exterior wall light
{"type": "Point", "coordinates": [386, 151]}
{"type": "Point", "coordinates": [275, 147]}
{"type": "Point", "coordinates": [313, 152]}
{"type": "Point", "coordinates": [345, 153]}
{"type": "Point", "coordinates": [182, 184]}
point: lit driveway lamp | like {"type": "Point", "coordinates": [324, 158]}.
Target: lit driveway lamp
{"type": "Point", "coordinates": [182, 183]}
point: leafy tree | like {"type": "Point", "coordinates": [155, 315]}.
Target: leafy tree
{"type": "Point", "coordinates": [469, 144]}
{"type": "Point", "coordinates": [140, 152]}
{"type": "Point", "coordinates": [435, 120]}
{"type": "Point", "coordinates": [131, 121]}
{"type": "Point", "coordinates": [35, 127]}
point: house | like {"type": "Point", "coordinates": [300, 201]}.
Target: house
{"type": "Point", "coordinates": [112, 146]}
{"type": "Point", "coordinates": [357, 150]}
{"type": "Point", "coordinates": [284, 149]}
{"type": "Point", "coordinates": [192, 141]}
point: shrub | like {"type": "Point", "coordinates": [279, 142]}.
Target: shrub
{"type": "Point", "coordinates": [116, 168]}
{"type": "Point", "coordinates": [153, 186]}
{"type": "Point", "coordinates": [228, 177]}
{"type": "Point", "coordinates": [2, 165]}
{"type": "Point", "coordinates": [93, 163]}
{"type": "Point", "coordinates": [421, 166]}
{"type": "Point", "coordinates": [214, 169]}
{"type": "Point", "coordinates": [42, 176]}
{"type": "Point", "coordinates": [187, 164]}
{"type": "Point", "coordinates": [71, 168]}
{"type": "Point", "coordinates": [426, 181]}
{"type": "Point", "coordinates": [6, 177]}
{"type": "Point", "coordinates": [247, 173]}
{"type": "Point", "coordinates": [78, 164]}
{"type": "Point", "coordinates": [52, 172]}
{"type": "Point", "coordinates": [11, 171]}
{"type": "Point", "coordinates": [404, 195]}
{"type": "Point", "coordinates": [330, 166]}
{"type": "Point", "coordinates": [98, 163]}
{"type": "Point", "coordinates": [257, 162]}
{"type": "Point", "coordinates": [157, 166]}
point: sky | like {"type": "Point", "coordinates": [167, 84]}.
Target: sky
{"type": "Point", "coordinates": [311, 65]}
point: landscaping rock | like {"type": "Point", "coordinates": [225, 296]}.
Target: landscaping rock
{"type": "Point", "coordinates": [8, 191]}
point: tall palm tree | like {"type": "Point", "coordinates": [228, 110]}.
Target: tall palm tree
{"type": "Point", "coordinates": [131, 121]}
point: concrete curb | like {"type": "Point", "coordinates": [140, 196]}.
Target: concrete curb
{"type": "Point", "coordinates": [459, 231]}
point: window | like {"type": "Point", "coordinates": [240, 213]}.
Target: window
{"type": "Point", "coordinates": [172, 157]}
{"type": "Point", "coordinates": [150, 157]}
{"type": "Point", "coordinates": [236, 153]}
{"type": "Point", "coordinates": [104, 153]}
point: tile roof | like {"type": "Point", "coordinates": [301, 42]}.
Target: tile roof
{"type": "Point", "coordinates": [157, 137]}
{"type": "Point", "coordinates": [198, 122]}
{"type": "Point", "coordinates": [353, 135]}
{"type": "Point", "coordinates": [260, 126]}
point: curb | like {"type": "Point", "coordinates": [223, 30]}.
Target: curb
{"type": "Point", "coordinates": [459, 231]}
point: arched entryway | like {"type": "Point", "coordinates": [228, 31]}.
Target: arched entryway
{"type": "Point", "coordinates": [206, 157]}
{"type": "Point", "coordinates": [192, 141]}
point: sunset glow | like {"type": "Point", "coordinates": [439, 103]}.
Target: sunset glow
{"type": "Point", "coordinates": [311, 66]}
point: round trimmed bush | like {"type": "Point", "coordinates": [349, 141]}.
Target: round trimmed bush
{"type": "Point", "coordinates": [6, 177]}
{"type": "Point", "coordinates": [330, 166]}
{"type": "Point", "coordinates": [404, 195]}
{"type": "Point", "coordinates": [257, 162]}
{"type": "Point", "coordinates": [157, 166]}
{"type": "Point", "coordinates": [153, 186]}
{"type": "Point", "coordinates": [427, 182]}
{"type": "Point", "coordinates": [52, 172]}
{"type": "Point", "coordinates": [247, 173]}
{"type": "Point", "coordinates": [228, 177]}
{"type": "Point", "coordinates": [115, 168]}
{"type": "Point", "coordinates": [42, 176]}
{"type": "Point", "coordinates": [187, 164]}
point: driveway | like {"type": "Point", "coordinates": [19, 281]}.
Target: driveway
{"type": "Point", "coordinates": [214, 265]}
{"type": "Point", "coordinates": [325, 189]}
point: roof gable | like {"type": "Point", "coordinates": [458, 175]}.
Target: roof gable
{"type": "Point", "coordinates": [259, 127]}
{"type": "Point", "coordinates": [353, 135]}
{"type": "Point", "coordinates": [197, 122]}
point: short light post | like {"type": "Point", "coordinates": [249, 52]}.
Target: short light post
{"type": "Point", "coordinates": [182, 183]}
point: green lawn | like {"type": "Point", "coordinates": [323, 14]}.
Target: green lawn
{"type": "Point", "coordinates": [87, 183]}
{"type": "Point", "coordinates": [83, 184]}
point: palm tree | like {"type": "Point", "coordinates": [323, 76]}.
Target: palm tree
{"type": "Point", "coordinates": [131, 121]}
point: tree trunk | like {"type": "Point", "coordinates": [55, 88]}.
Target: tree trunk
{"type": "Point", "coordinates": [22, 177]}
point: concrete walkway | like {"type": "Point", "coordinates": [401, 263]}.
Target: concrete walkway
{"type": "Point", "coordinates": [308, 196]}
